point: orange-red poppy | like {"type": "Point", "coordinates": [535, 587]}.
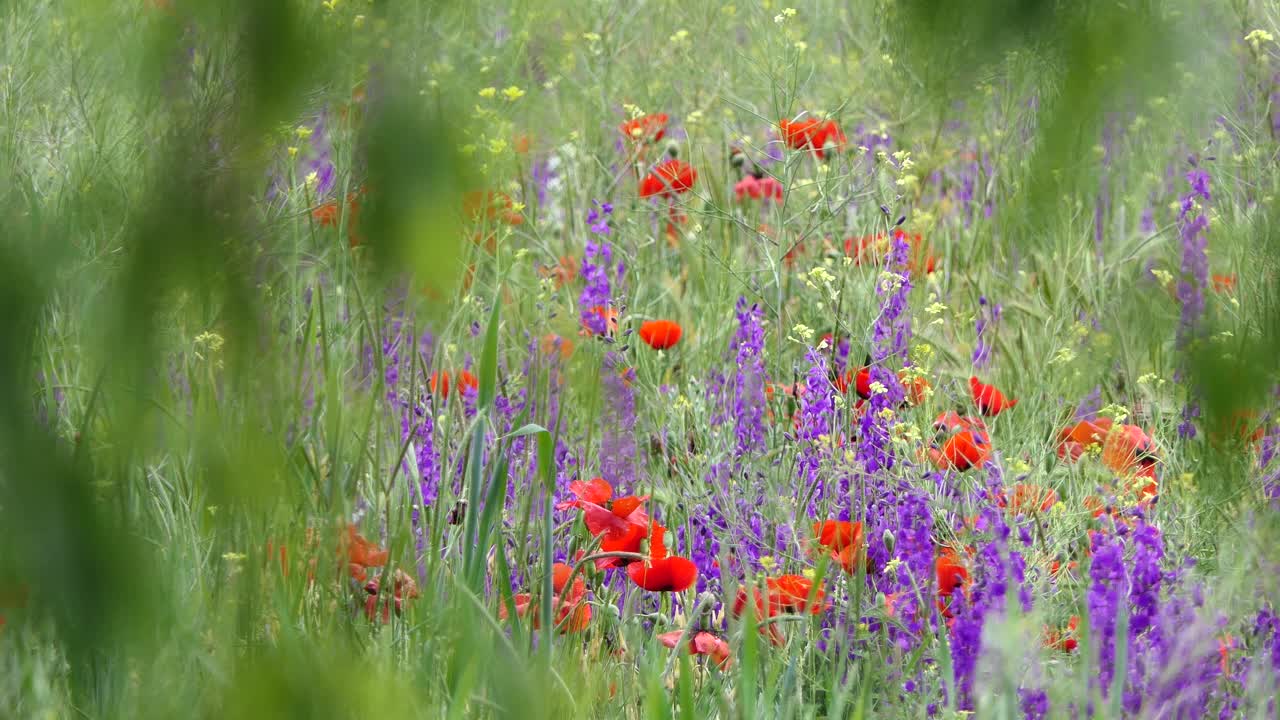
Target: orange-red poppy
{"type": "Point", "coordinates": [622, 525]}
{"type": "Point", "coordinates": [572, 613]}
{"type": "Point", "coordinates": [787, 594]}
{"type": "Point", "coordinates": [1073, 441]}
{"type": "Point", "coordinates": [963, 451]}
{"type": "Point", "coordinates": [491, 205]}
{"type": "Point", "coordinates": [990, 401]}
{"type": "Point", "coordinates": [360, 554]}
{"type": "Point", "coordinates": [952, 575]}
{"type": "Point", "coordinates": [440, 382]}
{"type": "Point", "coordinates": [403, 588]}
{"type": "Point", "coordinates": [661, 334]}
{"type": "Point", "coordinates": [662, 572]}
{"type": "Point", "coordinates": [327, 215]}
{"type": "Point", "coordinates": [1027, 499]}
{"type": "Point", "coordinates": [822, 138]}
{"type": "Point", "coordinates": [564, 271]}
{"type": "Point", "coordinates": [1225, 284]}
{"type": "Point", "coordinates": [610, 316]}
{"type": "Point", "coordinates": [1130, 452]}
{"type": "Point", "coordinates": [646, 128]}
{"type": "Point", "coordinates": [843, 541]}
{"type": "Point", "coordinates": [701, 643]}
{"type": "Point", "coordinates": [668, 177]}
{"type": "Point", "coordinates": [874, 249]}
{"type": "Point", "coordinates": [553, 344]}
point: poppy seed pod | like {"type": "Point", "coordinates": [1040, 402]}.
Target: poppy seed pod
{"type": "Point", "coordinates": [889, 541]}
{"type": "Point", "coordinates": [737, 159]}
{"type": "Point", "coordinates": [673, 149]}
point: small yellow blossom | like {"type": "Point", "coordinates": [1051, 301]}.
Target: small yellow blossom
{"type": "Point", "coordinates": [513, 93]}
{"type": "Point", "coordinates": [497, 146]}
{"type": "Point", "coordinates": [293, 151]}
{"type": "Point", "coordinates": [303, 132]}
{"type": "Point", "coordinates": [357, 22]}
{"type": "Point", "coordinates": [488, 92]}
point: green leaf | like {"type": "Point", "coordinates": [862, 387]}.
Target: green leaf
{"type": "Point", "coordinates": [489, 359]}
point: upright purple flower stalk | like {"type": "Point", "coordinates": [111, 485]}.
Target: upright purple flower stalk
{"type": "Point", "coordinates": [889, 338]}
{"type": "Point", "coordinates": [1107, 587]}
{"type": "Point", "coordinates": [817, 414]}
{"type": "Point", "coordinates": [1194, 280]}
{"type": "Point", "coordinates": [618, 425]}
{"type": "Point", "coordinates": [597, 291]}
{"type": "Point", "coordinates": [748, 389]}
{"type": "Point", "coordinates": [988, 315]}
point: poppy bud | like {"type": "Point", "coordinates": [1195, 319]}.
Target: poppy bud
{"type": "Point", "coordinates": [673, 149]}
{"type": "Point", "coordinates": [829, 148]}
{"type": "Point", "coordinates": [738, 158]}
{"type": "Point", "coordinates": [889, 541]}
{"type": "Point", "coordinates": [757, 172]}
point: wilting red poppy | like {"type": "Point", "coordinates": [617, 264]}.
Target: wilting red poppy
{"type": "Point", "coordinates": [1064, 639]}
{"type": "Point", "coordinates": [491, 205]}
{"type": "Point", "coordinates": [660, 334]}
{"type": "Point", "coordinates": [874, 250]}
{"type": "Point", "coordinates": [701, 643]}
{"type": "Point", "coordinates": [843, 541]}
{"type": "Point", "coordinates": [440, 382]}
{"type": "Point", "coordinates": [1027, 499]}
{"type": "Point", "coordinates": [952, 575]}
{"type": "Point", "coordinates": [360, 554]}
{"type": "Point", "coordinates": [751, 187]}
{"type": "Point", "coordinates": [668, 177]}
{"type": "Point", "coordinates": [990, 401]}
{"type": "Point", "coordinates": [1073, 441]}
{"type": "Point", "coordinates": [813, 134]}
{"type": "Point", "coordinates": [963, 451]}
{"type": "Point", "coordinates": [572, 613]}
{"type": "Point", "coordinates": [646, 128]}
{"type": "Point", "coordinates": [404, 588]}
{"type": "Point", "coordinates": [662, 572]}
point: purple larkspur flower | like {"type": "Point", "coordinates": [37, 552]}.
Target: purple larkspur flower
{"type": "Point", "coordinates": [748, 389]}
{"type": "Point", "coordinates": [1107, 581]}
{"type": "Point", "coordinates": [618, 425]}
{"type": "Point", "coordinates": [1193, 283]}
{"type": "Point", "coordinates": [817, 415]}
{"type": "Point", "coordinates": [596, 289]}
{"type": "Point", "coordinates": [988, 316]}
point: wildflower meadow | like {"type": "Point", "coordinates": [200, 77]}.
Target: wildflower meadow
{"type": "Point", "coordinates": [639, 359]}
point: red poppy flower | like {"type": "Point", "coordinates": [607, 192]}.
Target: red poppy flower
{"type": "Point", "coordinates": [963, 451]}
{"type": "Point", "coordinates": [668, 177]}
{"type": "Point", "coordinates": [661, 334]}
{"type": "Point", "coordinates": [440, 382]}
{"type": "Point", "coordinates": [951, 422]}
{"type": "Point", "coordinates": [813, 134]}
{"type": "Point", "coordinates": [701, 643]}
{"type": "Point", "coordinates": [1064, 639]}
{"type": "Point", "coordinates": [572, 613]}
{"type": "Point", "coordinates": [1073, 441]}
{"type": "Point", "coordinates": [662, 572]}
{"type": "Point", "coordinates": [646, 128]}
{"type": "Point", "coordinates": [621, 525]}
{"type": "Point", "coordinates": [990, 401]}
{"type": "Point", "coordinates": [843, 541]}
{"type": "Point", "coordinates": [758, 188]}
{"type": "Point", "coordinates": [952, 575]}
{"type": "Point", "coordinates": [327, 215]}
{"type": "Point", "coordinates": [1225, 284]}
